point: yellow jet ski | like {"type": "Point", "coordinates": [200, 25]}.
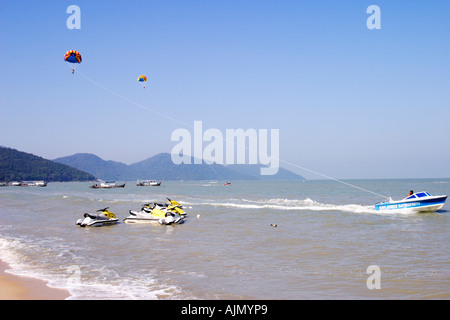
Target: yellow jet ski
{"type": "Point", "coordinates": [156, 213]}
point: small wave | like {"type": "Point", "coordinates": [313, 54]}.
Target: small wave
{"type": "Point", "coordinates": [123, 288]}
{"type": "Point", "coordinates": [19, 263]}
{"type": "Point", "coordinates": [106, 285]}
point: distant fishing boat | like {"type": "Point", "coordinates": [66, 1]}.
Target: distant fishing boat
{"type": "Point", "coordinates": [143, 183]}
{"type": "Point", "coordinates": [34, 183]}
{"type": "Point", "coordinates": [417, 202]}
{"type": "Point", "coordinates": [107, 185]}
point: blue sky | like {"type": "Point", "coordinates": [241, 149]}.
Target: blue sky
{"type": "Point", "coordinates": [349, 102]}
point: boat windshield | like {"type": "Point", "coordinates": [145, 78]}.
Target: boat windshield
{"type": "Point", "coordinates": [419, 195]}
{"type": "Point", "coordinates": [422, 194]}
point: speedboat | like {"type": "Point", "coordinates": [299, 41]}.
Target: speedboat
{"type": "Point", "coordinates": [156, 212]}
{"type": "Point", "coordinates": [103, 217]}
{"type": "Point", "coordinates": [107, 185]}
{"type": "Point", "coordinates": [417, 202]}
{"type": "Point", "coordinates": [142, 183]}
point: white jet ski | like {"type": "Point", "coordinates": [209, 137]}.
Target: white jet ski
{"type": "Point", "coordinates": [155, 213]}
{"type": "Point", "coordinates": [103, 217]}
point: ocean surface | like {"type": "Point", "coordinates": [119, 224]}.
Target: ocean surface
{"type": "Point", "coordinates": [327, 240]}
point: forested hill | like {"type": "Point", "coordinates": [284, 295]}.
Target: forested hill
{"type": "Point", "coordinates": [161, 167]}
{"type": "Point", "coordinates": [21, 166]}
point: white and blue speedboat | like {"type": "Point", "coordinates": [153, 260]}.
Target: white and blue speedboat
{"type": "Point", "coordinates": [417, 202]}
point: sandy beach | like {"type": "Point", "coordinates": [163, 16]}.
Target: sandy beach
{"type": "Point", "coordinates": [14, 287]}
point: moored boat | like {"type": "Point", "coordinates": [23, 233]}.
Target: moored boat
{"type": "Point", "coordinates": [107, 185]}
{"type": "Point", "coordinates": [34, 183]}
{"type": "Point", "coordinates": [416, 202]}
{"type": "Point", "coordinates": [143, 183]}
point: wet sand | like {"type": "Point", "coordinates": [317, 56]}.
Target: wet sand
{"type": "Point", "coordinates": [14, 287]}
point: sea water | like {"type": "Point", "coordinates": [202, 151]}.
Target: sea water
{"type": "Point", "coordinates": [250, 240]}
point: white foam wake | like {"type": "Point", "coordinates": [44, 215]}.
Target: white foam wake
{"type": "Point", "coordinates": [292, 205]}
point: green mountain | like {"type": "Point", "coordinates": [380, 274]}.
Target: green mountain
{"type": "Point", "coordinates": [161, 167]}
{"type": "Point", "coordinates": [107, 170]}
{"type": "Point", "coordinates": [21, 166]}
{"type": "Point", "coordinates": [254, 171]}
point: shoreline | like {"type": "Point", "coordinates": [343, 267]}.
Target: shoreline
{"type": "Point", "coordinates": [13, 287]}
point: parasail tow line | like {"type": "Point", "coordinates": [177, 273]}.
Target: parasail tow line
{"type": "Point", "coordinates": [187, 125]}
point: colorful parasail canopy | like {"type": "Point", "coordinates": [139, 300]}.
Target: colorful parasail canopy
{"type": "Point", "coordinates": [72, 56]}
{"type": "Point", "coordinates": [142, 78]}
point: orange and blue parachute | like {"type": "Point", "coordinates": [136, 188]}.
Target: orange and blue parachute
{"type": "Point", "coordinates": [142, 79]}
{"type": "Point", "coordinates": [73, 56]}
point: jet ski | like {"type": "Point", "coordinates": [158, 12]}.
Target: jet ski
{"type": "Point", "coordinates": [171, 206]}
{"type": "Point", "coordinates": [171, 218]}
{"type": "Point", "coordinates": [103, 217]}
{"type": "Point", "coordinates": [156, 212]}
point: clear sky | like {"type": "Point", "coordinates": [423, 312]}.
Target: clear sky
{"type": "Point", "coordinates": [349, 102]}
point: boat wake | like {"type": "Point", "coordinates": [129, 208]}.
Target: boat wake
{"type": "Point", "coordinates": [291, 205]}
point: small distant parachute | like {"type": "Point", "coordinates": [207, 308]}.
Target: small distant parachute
{"type": "Point", "coordinates": [142, 79]}
{"type": "Point", "coordinates": [73, 56]}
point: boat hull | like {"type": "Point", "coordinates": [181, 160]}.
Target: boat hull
{"type": "Point", "coordinates": [147, 183]}
{"type": "Point", "coordinates": [96, 223]}
{"type": "Point", "coordinates": [166, 221]}
{"type": "Point", "coordinates": [107, 186]}
{"type": "Point", "coordinates": [415, 205]}
{"type": "Point", "coordinates": [145, 217]}
{"type": "Point", "coordinates": [34, 184]}
{"type": "Point", "coordinates": [106, 218]}
{"type": "Point", "coordinates": [140, 220]}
